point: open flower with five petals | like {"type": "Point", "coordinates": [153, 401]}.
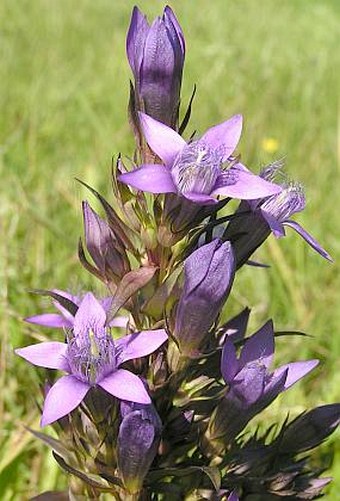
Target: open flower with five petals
{"type": "Point", "coordinates": [199, 170]}
{"type": "Point", "coordinates": [251, 385]}
{"type": "Point", "coordinates": [91, 357]}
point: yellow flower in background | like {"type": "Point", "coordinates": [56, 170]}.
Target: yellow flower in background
{"type": "Point", "coordinates": [270, 144]}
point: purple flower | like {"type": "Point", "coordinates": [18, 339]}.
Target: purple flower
{"type": "Point", "coordinates": [266, 215]}
{"type": "Point", "coordinates": [156, 56]}
{"type": "Point", "coordinates": [208, 276]}
{"type": "Point", "coordinates": [91, 357]}
{"type": "Point", "coordinates": [196, 170]}
{"type": "Point", "coordinates": [138, 439]}
{"type": "Point", "coordinates": [65, 320]}
{"type": "Point", "coordinates": [251, 386]}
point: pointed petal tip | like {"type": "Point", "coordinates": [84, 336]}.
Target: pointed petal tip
{"type": "Point", "coordinates": [49, 354]}
{"type": "Point", "coordinates": [63, 397]}
{"type": "Point", "coordinates": [163, 140]}
{"type": "Point", "coordinates": [125, 385]}
{"type": "Point", "coordinates": [152, 178]}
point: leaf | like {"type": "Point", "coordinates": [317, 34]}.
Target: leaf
{"type": "Point", "coordinates": [291, 333]}
{"type": "Point", "coordinates": [52, 496]}
{"type": "Point", "coordinates": [187, 115]}
{"type": "Point", "coordinates": [54, 444]}
{"type": "Point", "coordinates": [69, 305]}
{"type": "Point", "coordinates": [88, 266]}
{"type": "Point", "coordinates": [88, 478]}
{"type": "Point", "coordinates": [212, 472]}
{"type": "Point", "coordinates": [156, 303]}
{"type": "Point", "coordinates": [130, 283]}
{"type": "Point", "coordinates": [119, 228]}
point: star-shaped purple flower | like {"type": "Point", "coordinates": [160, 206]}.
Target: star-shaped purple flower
{"type": "Point", "coordinates": [91, 357]}
{"type": "Point", "coordinates": [197, 170]}
{"type": "Point", "coordinates": [251, 386]}
{"type": "Point", "coordinates": [65, 320]}
{"type": "Point", "coordinates": [248, 376]}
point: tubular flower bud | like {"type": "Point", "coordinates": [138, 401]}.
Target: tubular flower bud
{"type": "Point", "coordinates": [310, 429]}
{"type": "Point", "coordinates": [102, 245]}
{"type": "Point", "coordinates": [138, 439]}
{"type": "Point", "coordinates": [208, 276]}
{"type": "Point", "coordinates": [156, 56]}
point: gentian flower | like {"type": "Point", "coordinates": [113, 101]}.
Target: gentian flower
{"type": "Point", "coordinates": [65, 320]}
{"type": "Point", "coordinates": [269, 215]}
{"type": "Point", "coordinates": [91, 357]}
{"type": "Point", "coordinates": [138, 439]}
{"type": "Point", "coordinates": [251, 386]}
{"type": "Point", "coordinates": [208, 276]}
{"type": "Point", "coordinates": [156, 56]}
{"type": "Point", "coordinates": [196, 170]}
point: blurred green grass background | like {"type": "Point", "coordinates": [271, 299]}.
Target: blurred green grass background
{"type": "Point", "coordinates": [64, 92]}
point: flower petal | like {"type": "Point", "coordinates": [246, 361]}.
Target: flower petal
{"type": "Point", "coordinates": [135, 40]}
{"type": "Point", "coordinates": [49, 320]}
{"type": "Point", "coordinates": [153, 178]}
{"type": "Point", "coordinates": [200, 198]}
{"type": "Point", "coordinates": [64, 396]}
{"type": "Point", "coordinates": [229, 362]}
{"type": "Point", "coordinates": [119, 321]}
{"type": "Point", "coordinates": [139, 344]}
{"type": "Point", "coordinates": [309, 239]}
{"type": "Point", "coordinates": [239, 183]}
{"type": "Point", "coordinates": [169, 16]}
{"type": "Point", "coordinates": [295, 371]}
{"type": "Point", "coordinates": [225, 136]}
{"type": "Point", "coordinates": [90, 315]}
{"type": "Point", "coordinates": [163, 140]}
{"type": "Point", "coordinates": [126, 386]}
{"type": "Point", "coordinates": [275, 225]}
{"type": "Point", "coordinates": [51, 355]}
{"type": "Point", "coordinates": [75, 299]}
{"type": "Point", "coordinates": [236, 327]}
{"type": "Point", "coordinates": [260, 346]}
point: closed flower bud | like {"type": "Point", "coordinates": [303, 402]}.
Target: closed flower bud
{"type": "Point", "coordinates": [109, 257]}
{"type": "Point", "coordinates": [310, 429]}
{"type": "Point", "coordinates": [156, 56]}
{"type": "Point", "coordinates": [208, 276]}
{"type": "Point", "coordinates": [138, 440]}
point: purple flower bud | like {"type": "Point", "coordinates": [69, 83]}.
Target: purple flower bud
{"type": "Point", "coordinates": [138, 440]}
{"type": "Point", "coordinates": [156, 56]}
{"type": "Point", "coordinates": [309, 429]}
{"type": "Point", "coordinates": [208, 276]}
{"type": "Point", "coordinates": [102, 245]}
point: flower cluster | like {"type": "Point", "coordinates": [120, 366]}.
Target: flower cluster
{"type": "Point", "coordinates": [157, 391]}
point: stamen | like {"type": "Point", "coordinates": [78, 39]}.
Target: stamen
{"type": "Point", "coordinates": [286, 203]}
{"type": "Point", "coordinates": [197, 168]}
{"type": "Point", "coordinates": [274, 170]}
{"type": "Point", "coordinates": [91, 357]}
